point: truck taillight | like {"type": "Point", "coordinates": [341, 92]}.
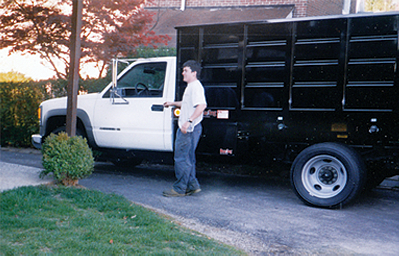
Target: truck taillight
{"type": "Point", "coordinates": [39, 113]}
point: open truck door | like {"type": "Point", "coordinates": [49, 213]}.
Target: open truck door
{"type": "Point", "coordinates": [130, 114]}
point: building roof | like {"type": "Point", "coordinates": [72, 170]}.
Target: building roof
{"type": "Point", "coordinates": [166, 19]}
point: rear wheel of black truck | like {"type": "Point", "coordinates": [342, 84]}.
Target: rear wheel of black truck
{"type": "Point", "coordinates": [328, 175]}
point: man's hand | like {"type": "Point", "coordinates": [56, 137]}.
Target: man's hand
{"type": "Point", "coordinates": [185, 127]}
{"type": "Point", "coordinates": [171, 104]}
{"type": "Point", "coordinates": [167, 104]}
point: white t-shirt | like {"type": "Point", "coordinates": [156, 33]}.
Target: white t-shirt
{"type": "Point", "coordinates": [194, 95]}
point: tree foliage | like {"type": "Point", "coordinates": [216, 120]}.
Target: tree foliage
{"type": "Point", "coordinates": [13, 76]}
{"type": "Point", "coordinates": [379, 5]}
{"type": "Point", "coordinates": [43, 27]}
{"type": "Point", "coordinates": [18, 112]}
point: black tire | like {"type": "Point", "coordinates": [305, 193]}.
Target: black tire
{"type": "Point", "coordinates": [375, 175]}
{"type": "Point", "coordinates": [127, 163]}
{"type": "Point", "coordinates": [63, 129]}
{"type": "Point", "coordinates": [328, 175]}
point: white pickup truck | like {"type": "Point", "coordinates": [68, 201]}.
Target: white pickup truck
{"type": "Point", "coordinates": [125, 116]}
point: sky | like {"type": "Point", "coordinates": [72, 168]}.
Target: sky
{"type": "Point", "coordinates": [29, 65]}
{"type": "Point", "coordinates": [32, 66]}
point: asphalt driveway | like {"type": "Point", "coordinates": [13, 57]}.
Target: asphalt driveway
{"type": "Point", "coordinates": [259, 215]}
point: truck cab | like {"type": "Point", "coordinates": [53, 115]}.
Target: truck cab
{"type": "Point", "coordinates": [127, 116]}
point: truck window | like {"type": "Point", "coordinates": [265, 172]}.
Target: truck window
{"type": "Point", "coordinates": [143, 80]}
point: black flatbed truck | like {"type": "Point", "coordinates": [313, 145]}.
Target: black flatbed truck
{"type": "Point", "coordinates": [319, 92]}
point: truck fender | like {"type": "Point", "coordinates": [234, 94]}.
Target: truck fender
{"type": "Point", "coordinates": [81, 115]}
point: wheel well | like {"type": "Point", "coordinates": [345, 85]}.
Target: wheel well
{"type": "Point", "coordinates": [55, 122]}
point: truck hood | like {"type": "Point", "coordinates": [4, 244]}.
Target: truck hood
{"type": "Point", "coordinates": [62, 101]}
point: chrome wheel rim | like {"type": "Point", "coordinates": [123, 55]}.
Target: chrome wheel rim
{"type": "Point", "coordinates": [324, 176]}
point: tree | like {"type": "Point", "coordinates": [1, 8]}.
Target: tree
{"type": "Point", "coordinates": [379, 5]}
{"type": "Point", "coordinates": [109, 28]}
{"type": "Point", "coordinates": [13, 76]}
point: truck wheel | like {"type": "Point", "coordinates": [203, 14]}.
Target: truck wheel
{"type": "Point", "coordinates": [126, 163]}
{"type": "Point", "coordinates": [375, 175]}
{"type": "Point", "coordinates": [328, 175]}
{"type": "Point", "coordinates": [63, 129]}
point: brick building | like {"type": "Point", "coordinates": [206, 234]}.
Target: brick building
{"type": "Point", "coordinates": [171, 13]}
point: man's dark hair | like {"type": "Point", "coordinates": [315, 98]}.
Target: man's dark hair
{"type": "Point", "coordinates": [194, 66]}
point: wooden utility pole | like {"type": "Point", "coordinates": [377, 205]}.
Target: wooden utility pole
{"type": "Point", "coordinates": [73, 76]}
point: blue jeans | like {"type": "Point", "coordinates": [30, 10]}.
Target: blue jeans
{"type": "Point", "coordinates": [185, 146]}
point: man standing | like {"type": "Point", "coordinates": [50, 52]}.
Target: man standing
{"type": "Point", "coordinates": [192, 107]}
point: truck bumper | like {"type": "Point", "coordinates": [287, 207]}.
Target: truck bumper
{"type": "Point", "coordinates": [37, 141]}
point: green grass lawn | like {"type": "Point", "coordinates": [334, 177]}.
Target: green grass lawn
{"type": "Point", "coordinates": [71, 221]}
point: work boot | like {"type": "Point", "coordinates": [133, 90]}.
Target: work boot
{"type": "Point", "coordinates": [190, 192]}
{"type": "Point", "coordinates": [172, 193]}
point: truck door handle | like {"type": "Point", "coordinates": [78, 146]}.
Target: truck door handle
{"type": "Point", "coordinates": [158, 108]}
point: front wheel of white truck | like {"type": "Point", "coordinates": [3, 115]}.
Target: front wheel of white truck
{"type": "Point", "coordinates": [328, 175]}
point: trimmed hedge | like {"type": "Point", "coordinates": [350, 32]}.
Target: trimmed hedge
{"type": "Point", "coordinates": [18, 112]}
{"type": "Point", "coordinates": [67, 158]}
{"type": "Point", "coordinates": [20, 101]}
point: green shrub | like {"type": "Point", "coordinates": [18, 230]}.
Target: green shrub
{"type": "Point", "coordinates": [13, 77]}
{"type": "Point", "coordinates": [91, 85]}
{"type": "Point", "coordinates": [18, 112]}
{"type": "Point", "coordinates": [68, 158]}
{"type": "Point", "coordinates": [149, 52]}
